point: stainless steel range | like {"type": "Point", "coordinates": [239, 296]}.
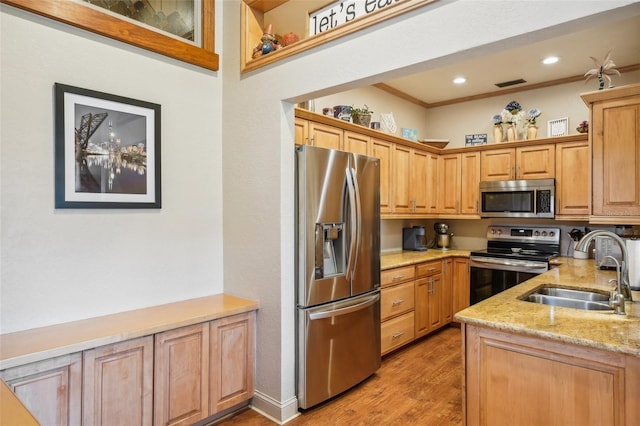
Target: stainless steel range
{"type": "Point", "coordinates": [514, 254]}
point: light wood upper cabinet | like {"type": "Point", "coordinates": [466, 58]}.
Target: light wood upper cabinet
{"type": "Point", "coordinates": [536, 162]}
{"type": "Point", "coordinates": [118, 383]}
{"type": "Point", "coordinates": [469, 183]}
{"type": "Point", "coordinates": [530, 162]}
{"type": "Point", "coordinates": [498, 164]}
{"type": "Point", "coordinates": [572, 180]}
{"type": "Point", "coordinates": [301, 131]}
{"type": "Point", "coordinates": [615, 137]}
{"type": "Point", "coordinates": [50, 389]}
{"type": "Point", "coordinates": [449, 172]}
{"type": "Point", "coordinates": [232, 368]}
{"type": "Point", "coordinates": [384, 151]}
{"type": "Point", "coordinates": [410, 180]}
{"type": "Point", "coordinates": [357, 143]}
{"type": "Point", "coordinates": [325, 136]}
{"type": "Point", "coordinates": [182, 375]}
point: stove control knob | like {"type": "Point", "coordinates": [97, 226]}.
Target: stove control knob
{"type": "Point", "coordinates": [551, 234]}
{"type": "Point", "coordinates": [493, 231]}
{"type": "Point", "coordinates": [499, 231]}
{"type": "Point", "coordinates": [544, 233]}
{"type": "Point", "coordinates": [537, 233]}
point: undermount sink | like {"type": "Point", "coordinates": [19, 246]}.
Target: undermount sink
{"type": "Point", "coordinates": [569, 298]}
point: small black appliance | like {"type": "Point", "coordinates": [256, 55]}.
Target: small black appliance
{"type": "Point", "coordinates": [414, 238]}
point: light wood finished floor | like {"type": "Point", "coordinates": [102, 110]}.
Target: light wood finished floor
{"type": "Point", "coordinates": [417, 385]}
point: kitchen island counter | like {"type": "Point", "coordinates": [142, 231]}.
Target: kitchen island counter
{"type": "Point", "coordinates": [406, 258]}
{"type": "Point", "coordinates": [600, 330]}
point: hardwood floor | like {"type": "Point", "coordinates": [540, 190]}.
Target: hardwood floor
{"type": "Point", "coordinates": [418, 385]}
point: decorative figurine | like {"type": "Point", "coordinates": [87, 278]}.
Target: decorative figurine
{"type": "Point", "coordinates": [268, 43]}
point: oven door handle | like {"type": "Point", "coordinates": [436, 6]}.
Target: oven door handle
{"type": "Point", "coordinates": [507, 263]}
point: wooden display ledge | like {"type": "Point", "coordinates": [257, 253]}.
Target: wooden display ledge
{"type": "Point", "coordinates": [42, 343]}
{"type": "Point", "coordinates": [424, 146]}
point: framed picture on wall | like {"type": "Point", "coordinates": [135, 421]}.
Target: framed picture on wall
{"type": "Point", "coordinates": [107, 150]}
{"type": "Point", "coordinates": [182, 30]}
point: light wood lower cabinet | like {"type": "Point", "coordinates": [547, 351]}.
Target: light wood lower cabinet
{"type": "Point", "coordinates": [176, 377]}
{"type": "Point", "coordinates": [396, 308]}
{"type": "Point", "coordinates": [232, 369]}
{"type": "Point", "coordinates": [182, 375]}
{"type": "Point", "coordinates": [118, 383]}
{"type": "Point", "coordinates": [50, 389]}
{"type": "Point", "coordinates": [433, 307]}
{"type": "Point", "coordinates": [459, 273]}
{"type": "Point", "coordinates": [513, 379]}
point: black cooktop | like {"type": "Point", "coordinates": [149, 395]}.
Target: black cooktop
{"type": "Point", "coordinates": [523, 254]}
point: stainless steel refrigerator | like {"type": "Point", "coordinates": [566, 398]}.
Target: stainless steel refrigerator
{"type": "Point", "coordinates": [338, 276]}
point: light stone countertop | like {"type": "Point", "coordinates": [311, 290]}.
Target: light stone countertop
{"type": "Point", "coordinates": [405, 258]}
{"type": "Point", "coordinates": [601, 330]}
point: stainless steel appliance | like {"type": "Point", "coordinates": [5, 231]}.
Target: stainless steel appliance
{"type": "Point", "coordinates": [513, 255]}
{"type": "Point", "coordinates": [338, 271]}
{"type": "Point", "coordinates": [517, 198]}
{"type": "Point", "coordinates": [443, 238]}
{"type": "Point", "coordinates": [414, 238]}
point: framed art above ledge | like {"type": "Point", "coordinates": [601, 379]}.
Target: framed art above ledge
{"type": "Point", "coordinates": [117, 25]}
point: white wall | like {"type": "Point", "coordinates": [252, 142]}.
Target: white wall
{"type": "Point", "coordinates": [61, 265]}
{"type": "Point", "coordinates": [259, 159]}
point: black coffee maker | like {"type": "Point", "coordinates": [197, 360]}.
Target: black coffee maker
{"type": "Point", "coordinates": [414, 238]}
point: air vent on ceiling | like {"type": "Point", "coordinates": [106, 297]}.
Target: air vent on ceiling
{"type": "Point", "coordinates": [510, 83]}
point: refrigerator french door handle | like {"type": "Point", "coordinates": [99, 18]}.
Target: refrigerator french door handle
{"type": "Point", "coordinates": [344, 311]}
{"type": "Point", "coordinates": [353, 228]}
{"type": "Point", "coordinates": [358, 222]}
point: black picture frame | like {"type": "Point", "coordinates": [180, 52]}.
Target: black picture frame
{"type": "Point", "coordinates": [107, 151]}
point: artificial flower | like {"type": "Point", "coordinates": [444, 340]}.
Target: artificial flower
{"type": "Point", "coordinates": [496, 119]}
{"type": "Point", "coordinates": [532, 115]}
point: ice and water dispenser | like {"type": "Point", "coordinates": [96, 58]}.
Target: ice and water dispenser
{"type": "Point", "coordinates": [330, 250]}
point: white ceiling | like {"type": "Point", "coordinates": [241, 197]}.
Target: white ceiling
{"type": "Point", "coordinates": [574, 51]}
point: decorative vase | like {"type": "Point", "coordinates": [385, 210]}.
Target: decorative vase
{"type": "Point", "coordinates": [512, 134]}
{"type": "Point", "coordinates": [361, 119]}
{"type": "Point", "coordinates": [532, 131]}
{"type": "Point", "coordinates": [497, 133]}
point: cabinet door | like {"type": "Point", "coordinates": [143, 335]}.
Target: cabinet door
{"type": "Point", "coordinates": [325, 136]}
{"type": "Point", "coordinates": [436, 302]}
{"type": "Point", "coordinates": [418, 182]}
{"type": "Point", "coordinates": [232, 361]}
{"type": "Point", "coordinates": [118, 383]}
{"type": "Point", "coordinates": [396, 300]}
{"type": "Point", "coordinates": [448, 198]}
{"type": "Point", "coordinates": [402, 202]}
{"type": "Point", "coordinates": [433, 182]}
{"type": "Point", "coordinates": [572, 179]}
{"type": "Point", "coordinates": [616, 160]}
{"type": "Point", "coordinates": [536, 162]}
{"type": "Point", "coordinates": [421, 313]}
{"type": "Point", "coordinates": [384, 151]}
{"type": "Point", "coordinates": [446, 300]}
{"type": "Point", "coordinates": [50, 389]}
{"type": "Point", "coordinates": [497, 164]}
{"type": "Point", "coordinates": [355, 142]}
{"type": "Point", "coordinates": [460, 284]}
{"type": "Point", "coordinates": [181, 379]}
{"type": "Point", "coordinates": [470, 183]}
{"type": "Point", "coordinates": [301, 131]}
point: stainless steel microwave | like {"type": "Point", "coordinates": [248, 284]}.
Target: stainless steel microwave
{"type": "Point", "coordinates": [532, 198]}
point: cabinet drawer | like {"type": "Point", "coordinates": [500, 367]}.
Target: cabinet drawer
{"type": "Point", "coordinates": [397, 275]}
{"type": "Point", "coordinates": [396, 332]}
{"type": "Point", "coordinates": [429, 268]}
{"type": "Point", "coordinates": [397, 300]}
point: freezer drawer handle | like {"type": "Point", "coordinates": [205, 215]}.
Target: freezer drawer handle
{"type": "Point", "coordinates": [344, 311]}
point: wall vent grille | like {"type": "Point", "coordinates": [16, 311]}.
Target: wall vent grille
{"type": "Point", "coordinates": [558, 127]}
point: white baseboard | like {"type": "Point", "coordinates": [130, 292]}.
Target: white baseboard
{"type": "Point", "coordinates": [279, 412]}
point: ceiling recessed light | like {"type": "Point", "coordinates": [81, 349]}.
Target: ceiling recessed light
{"type": "Point", "coordinates": [459, 80]}
{"type": "Point", "coordinates": [550, 60]}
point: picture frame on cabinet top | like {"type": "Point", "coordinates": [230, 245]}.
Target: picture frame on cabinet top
{"type": "Point", "coordinates": [107, 150]}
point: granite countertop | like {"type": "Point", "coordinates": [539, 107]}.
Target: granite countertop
{"type": "Point", "coordinates": [601, 330]}
{"type": "Point", "coordinates": [405, 258]}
